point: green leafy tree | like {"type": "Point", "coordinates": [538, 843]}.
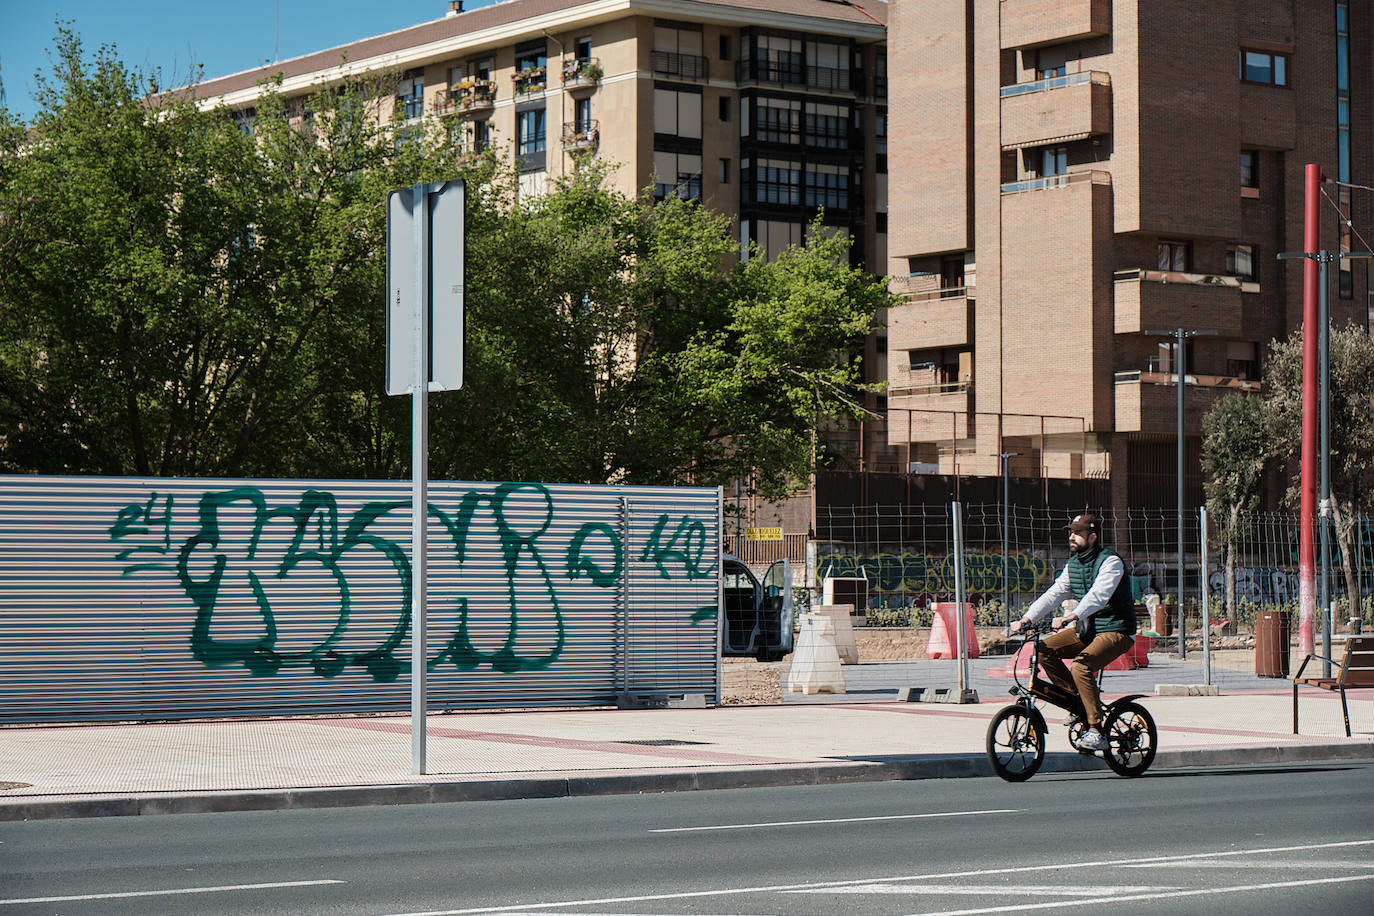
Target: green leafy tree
{"type": "Point", "coordinates": [1351, 426]}
{"type": "Point", "coordinates": [1235, 451]}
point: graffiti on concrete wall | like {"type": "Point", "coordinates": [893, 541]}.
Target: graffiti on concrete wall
{"type": "Point", "coordinates": [301, 585]}
{"type": "Point", "coordinates": [917, 576]}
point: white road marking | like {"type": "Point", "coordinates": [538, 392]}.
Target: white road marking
{"type": "Point", "coordinates": [838, 820]}
{"type": "Point", "coordinates": [1288, 863]}
{"type": "Point", "coordinates": [171, 892]}
{"type": "Point", "coordinates": [997, 890]}
{"type": "Point", "coordinates": [544, 908]}
{"type": "Point", "coordinates": [1115, 899]}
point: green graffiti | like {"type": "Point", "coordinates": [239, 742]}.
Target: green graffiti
{"type": "Point", "coordinates": [917, 574]}
{"type": "Point", "coordinates": [241, 546]}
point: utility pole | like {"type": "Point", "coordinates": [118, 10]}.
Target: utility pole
{"type": "Point", "coordinates": [1181, 369]}
{"type": "Point", "coordinates": [1006, 525]}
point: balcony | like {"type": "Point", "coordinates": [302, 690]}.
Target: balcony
{"type": "Point", "coordinates": [680, 66]}
{"type": "Point", "coordinates": [1162, 299]}
{"type": "Point", "coordinates": [530, 81]}
{"type": "Point", "coordinates": [1053, 182]}
{"type": "Point", "coordinates": [776, 72]}
{"type": "Point", "coordinates": [1147, 399]}
{"type": "Point", "coordinates": [582, 75]}
{"type": "Point", "coordinates": [578, 137]}
{"type": "Point", "coordinates": [1056, 110]}
{"type": "Point", "coordinates": [472, 96]}
{"type": "Point", "coordinates": [1032, 23]}
{"type": "Point", "coordinates": [929, 318]}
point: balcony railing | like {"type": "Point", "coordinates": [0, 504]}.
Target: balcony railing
{"type": "Point", "coordinates": [1057, 181]}
{"type": "Point", "coordinates": [684, 66]}
{"type": "Point", "coordinates": [531, 80]}
{"type": "Point", "coordinates": [581, 136]}
{"type": "Point", "coordinates": [930, 295]}
{"type": "Point", "coordinates": [1099, 77]}
{"type": "Point", "coordinates": [1157, 372]}
{"type": "Point", "coordinates": [582, 73]}
{"type": "Point", "coordinates": [834, 79]}
{"type": "Point", "coordinates": [470, 96]}
{"type": "Point", "coordinates": [899, 391]}
{"type": "Point", "coordinates": [1146, 275]}
{"type": "Point", "coordinates": [762, 70]}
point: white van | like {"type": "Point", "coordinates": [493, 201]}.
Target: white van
{"type": "Point", "coordinates": [758, 616]}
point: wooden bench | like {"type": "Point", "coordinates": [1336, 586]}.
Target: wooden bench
{"type": "Point", "coordinates": [1355, 669]}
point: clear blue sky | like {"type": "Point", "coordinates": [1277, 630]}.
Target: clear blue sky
{"type": "Point", "coordinates": [224, 37]}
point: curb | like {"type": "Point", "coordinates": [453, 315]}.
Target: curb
{"type": "Point", "coordinates": [954, 766]}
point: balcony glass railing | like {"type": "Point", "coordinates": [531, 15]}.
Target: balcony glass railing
{"type": "Point", "coordinates": [1057, 181]}
{"type": "Point", "coordinates": [1057, 82]}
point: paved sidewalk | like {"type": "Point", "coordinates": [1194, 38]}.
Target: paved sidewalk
{"type": "Point", "coordinates": [98, 770]}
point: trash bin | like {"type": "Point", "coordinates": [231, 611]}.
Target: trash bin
{"type": "Point", "coordinates": [1164, 618]}
{"type": "Point", "coordinates": [1272, 632]}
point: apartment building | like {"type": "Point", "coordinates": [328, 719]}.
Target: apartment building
{"type": "Point", "coordinates": [1071, 176]}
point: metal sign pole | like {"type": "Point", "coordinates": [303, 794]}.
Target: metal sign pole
{"type": "Point", "coordinates": [1202, 575]}
{"type": "Point", "coordinates": [419, 472]}
{"type": "Point", "coordinates": [960, 638]}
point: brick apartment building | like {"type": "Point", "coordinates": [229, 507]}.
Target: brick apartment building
{"type": "Point", "coordinates": [1068, 176]}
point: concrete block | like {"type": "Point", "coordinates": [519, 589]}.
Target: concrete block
{"type": "Point", "coordinates": [816, 662]}
{"type": "Point", "coordinates": [845, 643]}
{"type": "Point", "coordinates": [1187, 690]}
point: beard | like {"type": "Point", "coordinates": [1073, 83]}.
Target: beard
{"type": "Point", "coordinates": [1077, 548]}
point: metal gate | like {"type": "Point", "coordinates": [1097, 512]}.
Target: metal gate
{"type": "Point", "coordinates": [127, 598]}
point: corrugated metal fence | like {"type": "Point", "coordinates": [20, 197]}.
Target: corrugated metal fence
{"type": "Point", "coordinates": [159, 598]}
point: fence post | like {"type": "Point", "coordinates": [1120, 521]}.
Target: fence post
{"type": "Point", "coordinates": [960, 639]}
{"type": "Point", "coordinates": [1202, 601]}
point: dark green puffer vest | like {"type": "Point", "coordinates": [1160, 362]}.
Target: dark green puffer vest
{"type": "Point", "coordinates": [1119, 614]}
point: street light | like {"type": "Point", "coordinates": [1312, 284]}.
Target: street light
{"type": "Point", "coordinates": [1323, 258]}
{"type": "Point", "coordinates": [1006, 550]}
{"type": "Point", "coordinates": [1181, 367]}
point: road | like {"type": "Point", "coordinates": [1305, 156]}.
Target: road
{"type": "Point", "coordinates": [1222, 841]}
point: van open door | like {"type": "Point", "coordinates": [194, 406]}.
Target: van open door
{"type": "Point", "coordinates": [775, 615]}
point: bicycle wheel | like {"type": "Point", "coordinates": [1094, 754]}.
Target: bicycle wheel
{"type": "Point", "coordinates": [1131, 739]}
{"type": "Point", "coordinates": [1016, 743]}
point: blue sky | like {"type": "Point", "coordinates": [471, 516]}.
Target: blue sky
{"type": "Point", "coordinates": [225, 37]}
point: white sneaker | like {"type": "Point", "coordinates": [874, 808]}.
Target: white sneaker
{"type": "Point", "coordinates": [1092, 740]}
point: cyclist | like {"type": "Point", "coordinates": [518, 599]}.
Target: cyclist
{"type": "Point", "coordinates": [1103, 621]}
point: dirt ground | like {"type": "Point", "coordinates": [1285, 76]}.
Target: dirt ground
{"type": "Point", "coordinates": [749, 682]}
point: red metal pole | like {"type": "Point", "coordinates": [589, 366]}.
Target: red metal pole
{"type": "Point", "coordinates": [1307, 577]}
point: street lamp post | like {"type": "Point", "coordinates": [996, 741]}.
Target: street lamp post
{"type": "Point", "coordinates": [1006, 549]}
{"type": "Point", "coordinates": [1324, 508]}
{"type": "Point", "coordinates": [1181, 368]}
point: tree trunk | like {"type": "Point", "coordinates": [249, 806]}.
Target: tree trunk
{"type": "Point", "coordinates": [1342, 524]}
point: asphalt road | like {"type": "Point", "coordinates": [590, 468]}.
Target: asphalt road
{"type": "Point", "coordinates": [1243, 841]}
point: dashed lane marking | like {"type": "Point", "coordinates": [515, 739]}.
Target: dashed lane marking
{"type": "Point", "coordinates": [836, 820]}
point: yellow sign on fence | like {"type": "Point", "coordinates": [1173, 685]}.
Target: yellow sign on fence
{"type": "Point", "coordinates": [763, 534]}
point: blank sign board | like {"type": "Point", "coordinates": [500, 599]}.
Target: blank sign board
{"type": "Point", "coordinates": [424, 269]}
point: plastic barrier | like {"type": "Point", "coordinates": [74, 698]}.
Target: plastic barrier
{"type": "Point", "coordinates": [942, 633]}
{"type": "Point", "coordinates": [815, 662]}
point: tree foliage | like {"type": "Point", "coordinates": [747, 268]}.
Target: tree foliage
{"type": "Point", "coordinates": [185, 296]}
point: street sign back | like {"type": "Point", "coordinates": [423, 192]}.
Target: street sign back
{"type": "Point", "coordinates": [441, 207]}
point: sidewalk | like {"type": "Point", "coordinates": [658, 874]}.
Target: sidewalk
{"type": "Point", "coordinates": [100, 770]}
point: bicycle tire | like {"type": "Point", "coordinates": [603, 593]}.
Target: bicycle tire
{"type": "Point", "coordinates": [1131, 739]}
{"type": "Point", "coordinates": [1016, 743]}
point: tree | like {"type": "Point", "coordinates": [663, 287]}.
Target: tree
{"type": "Point", "coordinates": [1235, 451]}
{"type": "Point", "coordinates": [1351, 426]}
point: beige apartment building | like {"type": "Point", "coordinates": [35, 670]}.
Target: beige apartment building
{"type": "Point", "coordinates": [1069, 176]}
{"type": "Point", "coordinates": [763, 109]}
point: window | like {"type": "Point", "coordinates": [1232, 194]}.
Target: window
{"type": "Point", "coordinates": [1165, 359]}
{"type": "Point", "coordinates": [880, 222]}
{"type": "Point", "coordinates": [724, 177]}
{"type": "Point", "coordinates": [775, 236]}
{"type": "Point", "coordinates": [827, 186]}
{"type": "Point", "coordinates": [778, 120]}
{"type": "Point", "coordinates": [778, 59]}
{"type": "Point", "coordinates": [481, 136]}
{"type": "Point", "coordinates": [410, 95]}
{"type": "Point", "coordinates": [775, 181]}
{"type": "Point", "coordinates": [1242, 360]}
{"type": "Point", "coordinates": [529, 132]}
{"type": "Point", "coordinates": [582, 50]}
{"type": "Point", "coordinates": [1175, 256]}
{"type": "Point", "coordinates": [952, 272]}
{"type": "Point", "coordinates": [880, 123]}
{"type": "Point", "coordinates": [532, 55]}
{"type": "Point", "coordinates": [582, 116]}
{"type": "Point", "coordinates": [481, 69]}
{"type": "Point", "coordinates": [880, 163]}
{"type": "Point", "coordinates": [1054, 160]}
{"type": "Point", "coordinates": [1249, 168]}
{"type": "Point", "coordinates": [1263, 67]}
{"type": "Point", "coordinates": [1050, 62]}
{"type": "Point", "coordinates": [243, 120]}
{"type": "Point", "coordinates": [828, 65]}
{"type": "Point", "coordinates": [1243, 261]}
{"type": "Point", "coordinates": [677, 175]}
{"type": "Point", "coordinates": [725, 108]}
{"type": "Point", "coordinates": [827, 126]}
{"type": "Point", "coordinates": [677, 113]}
{"type": "Point", "coordinates": [678, 50]}
{"type": "Point", "coordinates": [725, 47]}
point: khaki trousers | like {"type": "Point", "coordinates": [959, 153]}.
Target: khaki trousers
{"type": "Point", "coordinates": [1088, 659]}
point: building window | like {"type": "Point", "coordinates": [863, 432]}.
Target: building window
{"type": "Point", "coordinates": [827, 126]}
{"type": "Point", "coordinates": [827, 186]}
{"type": "Point", "coordinates": [1054, 160]}
{"type": "Point", "coordinates": [677, 175]}
{"type": "Point", "coordinates": [481, 136]}
{"type": "Point", "coordinates": [880, 124]}
{"type": "Point", "coordinates": [725, 108]}
{"type": "Point", "coordinates": [1242, 360]}
{"type": "Point", "coordinates": [480, 69]}
{"type": "Point", "coordinates": [1249, 168]}
{"type": "Point", "coordinates": [1263, 67]}
{"type": "Point", "coordinates": [410, 95]}
{"type": "Point", "coordinates": [725, 47]}
{"type": "Point", "coordinates": [678, 50]}
{"type": "Point", "coordinates": [775, 236]}
{"type": "Point", "coordinates": [724, 177]}
{"type": "Point", "coordinates": [777, 120]}
{"type": "Point", "coordinates": [582, 116]}
{"type": "Point", "coordinates": [880, 222]}
{"type": "Point", "coordinates": [529, 132]}
{"type": "Point", "coordinates": [774, 181]}
{"type": "Point", "coordinates": [1175, 256]}
{"type": "Point", "coordinates": [582, 50]}
{"type": "Point", "coordinates": [777, 59]}
{"type": "Point", "coordinates": [880, 163]}
{"type": "Point", "coordinates": [952, 272]}
{"type": "Point", "coordinates": [828, 66]}
{"type": "Point", "coordinates": [677, 113]}
{"type": "Point", "coordinates": [1243, 261]}
{"type": "Point", "coordinates": [1050, 62]}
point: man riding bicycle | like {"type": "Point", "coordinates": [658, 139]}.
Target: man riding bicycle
{"type": "Point", "coordinates": [1103, 621]}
